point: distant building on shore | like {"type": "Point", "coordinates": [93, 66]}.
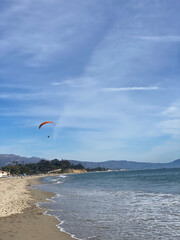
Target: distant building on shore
{"type": "Point", "coordinates": [4, 174]}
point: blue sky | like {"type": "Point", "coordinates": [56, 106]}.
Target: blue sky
{"type": "Point", "coordinates": [106, 72]}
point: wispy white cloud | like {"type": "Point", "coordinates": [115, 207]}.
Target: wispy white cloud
{"type": "Point", "coordinates": [173, 111]}
{"type": "Point", "coordinates": [82, 82]}
{"type": "Point", "coordinates": [129, 89]}
{"type": "Point", "coordinates": [171, 127]}
{"type": "Point", "coordinates": [22, 96]}
{"type": "Point", "coordinates": [62, 83]}
{"type": "Point", "coordinates": [169, 120]}
{"type": "Point", "coordinates": [162, 38]}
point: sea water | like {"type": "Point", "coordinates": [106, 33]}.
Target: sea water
{"type": "Point", "coordinates": [129, 205]}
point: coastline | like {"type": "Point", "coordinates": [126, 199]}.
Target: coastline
{"type": "Point", "coordinates": [20, 218]}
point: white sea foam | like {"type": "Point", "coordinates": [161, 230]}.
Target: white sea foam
{"type": "Point", "coordinates": [54, 180]}
{"type": "Point", "coordinates": [62, 176]}
{"type": "Point", "coordinates": [63, 230]}
{"type": "Point", "coordinates": [38, 204]}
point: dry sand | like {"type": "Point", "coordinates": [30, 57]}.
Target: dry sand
{"type": "Point", "coordinates": [20, 219]}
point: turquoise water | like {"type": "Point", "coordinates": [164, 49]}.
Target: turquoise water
{"type": "Point", "coordinates": [131, 205]}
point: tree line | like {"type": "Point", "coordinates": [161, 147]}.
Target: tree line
{"type": "Point", "coordinates": [43, 166]}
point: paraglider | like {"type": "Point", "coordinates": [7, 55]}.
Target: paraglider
{"type": "Point", "coordinates": [46, 123]}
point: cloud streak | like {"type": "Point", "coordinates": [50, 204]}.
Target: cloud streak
{"type": "Point", "coordinates": [173, 111]}
{"type": "Point", "coordinates": [130, 89]}
{"type": "Point", "coordinates": [160, 38]}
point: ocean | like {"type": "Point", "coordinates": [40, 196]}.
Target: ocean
{"type": "Point", "coordinates": [120, 205]}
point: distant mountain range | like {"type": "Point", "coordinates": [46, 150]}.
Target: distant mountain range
{"type": "Point", "coordinates": [6, 159]}
{"type": "Point", "coordinates": [130, 165]}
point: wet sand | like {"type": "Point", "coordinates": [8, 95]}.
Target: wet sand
{"type": "Point", "coordinates": [30, 223]}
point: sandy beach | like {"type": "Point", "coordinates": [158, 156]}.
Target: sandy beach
{"type": "Point", "coordinates": [19, 217]}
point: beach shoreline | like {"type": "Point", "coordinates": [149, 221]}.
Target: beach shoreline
{"type": "Point", "coordinates": [20, 218]}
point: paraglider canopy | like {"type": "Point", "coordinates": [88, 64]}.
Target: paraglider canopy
{"type": "Point", "coordinates": [45, 123]}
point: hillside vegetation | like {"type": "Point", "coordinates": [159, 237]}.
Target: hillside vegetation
{"type": "Point", "coordinates": [42, 166]}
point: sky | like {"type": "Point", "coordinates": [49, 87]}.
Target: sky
{"type": "Point", "coordinates": [106, 72]}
